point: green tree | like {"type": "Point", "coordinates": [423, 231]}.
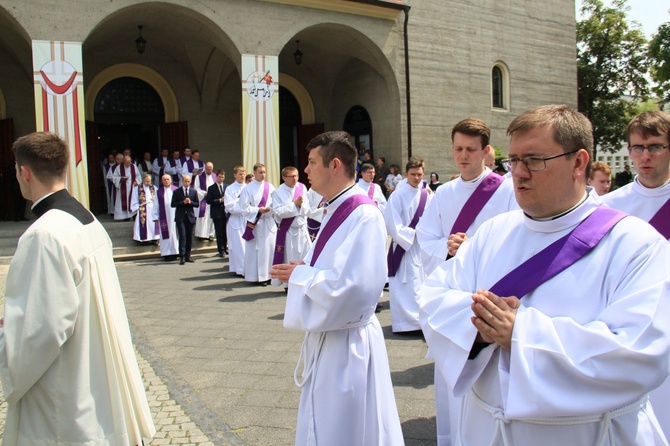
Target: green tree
{"type": "Point", "coordinates": [611, 65]}
{"type": "Point", "coordinates": [659, 54]}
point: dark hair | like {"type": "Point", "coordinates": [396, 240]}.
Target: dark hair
{"type": "Point", "coordinates": [415, 161]}
{"type": "Point", "coordinates": [367, 166]}
{"type": "Point", "coordinates": [257, 166]}
{"type": "Point", "coordinates": [220, 172]}
{"type": "Point", "coordinates": [336, 144]}
{"type": "Point", "coordinates": [45, 154]}
{"type": "Point", "coordinates": [473, 127]}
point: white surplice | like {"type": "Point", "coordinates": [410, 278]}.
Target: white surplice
{"type": "Point", "coordinates": [235, 225]}
{"type": "Point", "coordinates": [150, 197]}
{"type": "Point", "coordinates": [434, 229]}
{"type": "Point", "coordinates": [204, 226]}
{"type": "Point", "coordinates": [297, 242]}
{"type": "Point", "coordinates": [68, 368]}
{"type": "Point", "coordinates": [432, 233]}
{"type": "Point", "coordinates": [378, 195]}
{"type": "Point", "coordinates": [405, 286]}
{"type": "Point", "coordinates": [258, 252]}
{"type": "Point", "coordinates": [169, 246]}
{"type": "Point", "coordinates": [347, 396]}
{"type": "Point", "coordinates": [591, 341]}
{"type": "Point", "coordinates": [159, 169]}
{"type": "Point", "coordinates": [642, 202]}
{"type": "Point", "coordinates": [637, 200]}
{"type": "Point", "coordinates": [115, 175]}
{"type": "Point", "coordinates": [109, 188]}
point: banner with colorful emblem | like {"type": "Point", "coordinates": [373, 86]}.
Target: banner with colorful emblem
{"type": "Point", "coordinates": [59, 105]}
{"type": "Point", "coordinates": [260, 114]}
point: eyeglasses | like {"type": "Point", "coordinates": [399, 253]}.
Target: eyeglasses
{"type": "Point", "coordinates": [532, 163]}
{"type": "Point", "coordinates": [654, 149]}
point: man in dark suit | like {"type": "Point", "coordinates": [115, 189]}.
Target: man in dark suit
{"type": "Point", "coordinates": [185, 199]}
{"type": "Point", "coordinates": [217, 211]}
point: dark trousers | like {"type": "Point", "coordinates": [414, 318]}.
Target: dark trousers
{"type": "Point", "coordinates": [185, 233]}
{"type": "Point", "coordinates": [220, 231]}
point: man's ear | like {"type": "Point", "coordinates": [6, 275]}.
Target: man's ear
{"type": "Point", "coordinates": [25, 172]}
{"type": "Point", "coordinates": [337, 164]}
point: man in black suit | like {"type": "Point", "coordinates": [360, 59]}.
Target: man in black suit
{"type": "Point", "coordinates": [185, 199]}
{"type": "Point", "coordinates": [217, 211]}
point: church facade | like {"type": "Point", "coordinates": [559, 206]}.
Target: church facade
{"type": "Point", "coordinates": [253, 80]}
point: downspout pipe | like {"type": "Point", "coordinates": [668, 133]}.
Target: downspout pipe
{"type": "Point", "coordinates": [405, 8]}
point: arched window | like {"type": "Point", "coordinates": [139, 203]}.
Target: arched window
{"type": "Point", "coordinates": [497, 87]}
{"type": "Point", "coordinates": [500, 95]}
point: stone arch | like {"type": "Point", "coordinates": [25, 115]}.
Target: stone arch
{"type": "Point", "coordinates": [141, 72]}
{"type": "Point", "coordinates": [301, 95]}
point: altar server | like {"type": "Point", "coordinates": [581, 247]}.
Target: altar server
{"type": "Point", "coordinates": [347, 394]}
{"type": "Point", "coordinates": [67, 364]}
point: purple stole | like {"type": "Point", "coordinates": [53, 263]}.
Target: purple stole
{"type": "Point", "coordinates": [202, 179]}
{"type": "Point", "coordinates": [191, 165]}
{"type": "Point", "coordinates": [283, 229]}
{"type": "Point", "coordinates": [175, 177]}
{"type": "Point", "coordinates": [142, 211]}
{"type": "Point", "coordinates": [661, 220]}
{"type": "Point", "coordinates": [249, 231]}
{"type": "Point", "coordinates": [162, 216]}
{"type": "Point", "coordinates": [340, 214]}
{"type": "Point", "coordinates": [476, 202]}
{"type": "Point", "coordinates": [313, 226]}
{"type": "Point", "coordinates": [145, 168]}
{"type": "Point", "coordinates": [371, 191]}
{"type": "Point", "coordinates": [559, 255]}
{"type": "Point", "coordinates": [125, 196]}
{"type": "Point", "coordinates": [394, 257]}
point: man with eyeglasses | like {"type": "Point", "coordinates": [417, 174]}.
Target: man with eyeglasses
{"type": "Point", "coordinates": [458, 209]}
{"type": "Point", "coordinates": [551, 321]}
{"type": "Point", "coordinates": [290, 207]}
{"type": "Point", "coordinates": [648, 196]}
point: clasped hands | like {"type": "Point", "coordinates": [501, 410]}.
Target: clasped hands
{"type": "Point", "coordinates": [494, 317]}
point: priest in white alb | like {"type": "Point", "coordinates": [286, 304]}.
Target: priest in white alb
{"type": "Point", "coordinates": [290, 207]}
{"type": "Point", "coordinates": [67, 364]}
{"type": "Point", "coordinates": [125, 177]}
{"type": "Point", "coordinates": [648, 198]}
{"type": "Point", "coordinates": [260, 229]}
{"type": "Point", "coordinates": [142, 203]}
{"type": "Point", "coordinates": [369, 187]}
{"type": "Point", "coordinates": [454, 214]}
{"type": "Point", "coordinates": [551, 321]}
{"type": "Point", "coordinates": [236, 223]}
{"type": "Point", "coordinates": [204, 227]}
{"type": "Point", "coordinates": [347, 395]}
{"type": "Point", "coordinates": [401, 215]}
{"type": "Point", "coordinates": [163, 215]}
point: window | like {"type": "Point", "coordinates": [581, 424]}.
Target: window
{"type": "Point", "coordinates": [499, 87]}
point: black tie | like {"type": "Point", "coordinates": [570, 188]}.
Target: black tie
{"type": "Point", "coordinates": [221, 189]}
{"type": "Point", "coordinates": [187, 191]}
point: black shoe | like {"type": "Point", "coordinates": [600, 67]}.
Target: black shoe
{"type": "Point", "coordinates": [378, 308]}
{"type": "Point", "coordinates": [220, 254]}
{"type": "Point", "coordinates": [190, 260]}
{"type": "Point", "coordinates": [225, 252]}
{"type": "Point", "coordinates": [182, 261]}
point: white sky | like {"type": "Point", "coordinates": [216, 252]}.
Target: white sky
{"type": "Point", "coordinates": [649, 13]}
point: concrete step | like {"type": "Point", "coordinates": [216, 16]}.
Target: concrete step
{"type": "Point", "coordinates": [120, 232]}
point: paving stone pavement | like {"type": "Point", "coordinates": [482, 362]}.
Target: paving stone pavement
{"type": "Point", "coordinates": [219, 366]}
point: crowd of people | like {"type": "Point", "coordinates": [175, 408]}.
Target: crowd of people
{"type": "Point", "coordinates": [542, 297]}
